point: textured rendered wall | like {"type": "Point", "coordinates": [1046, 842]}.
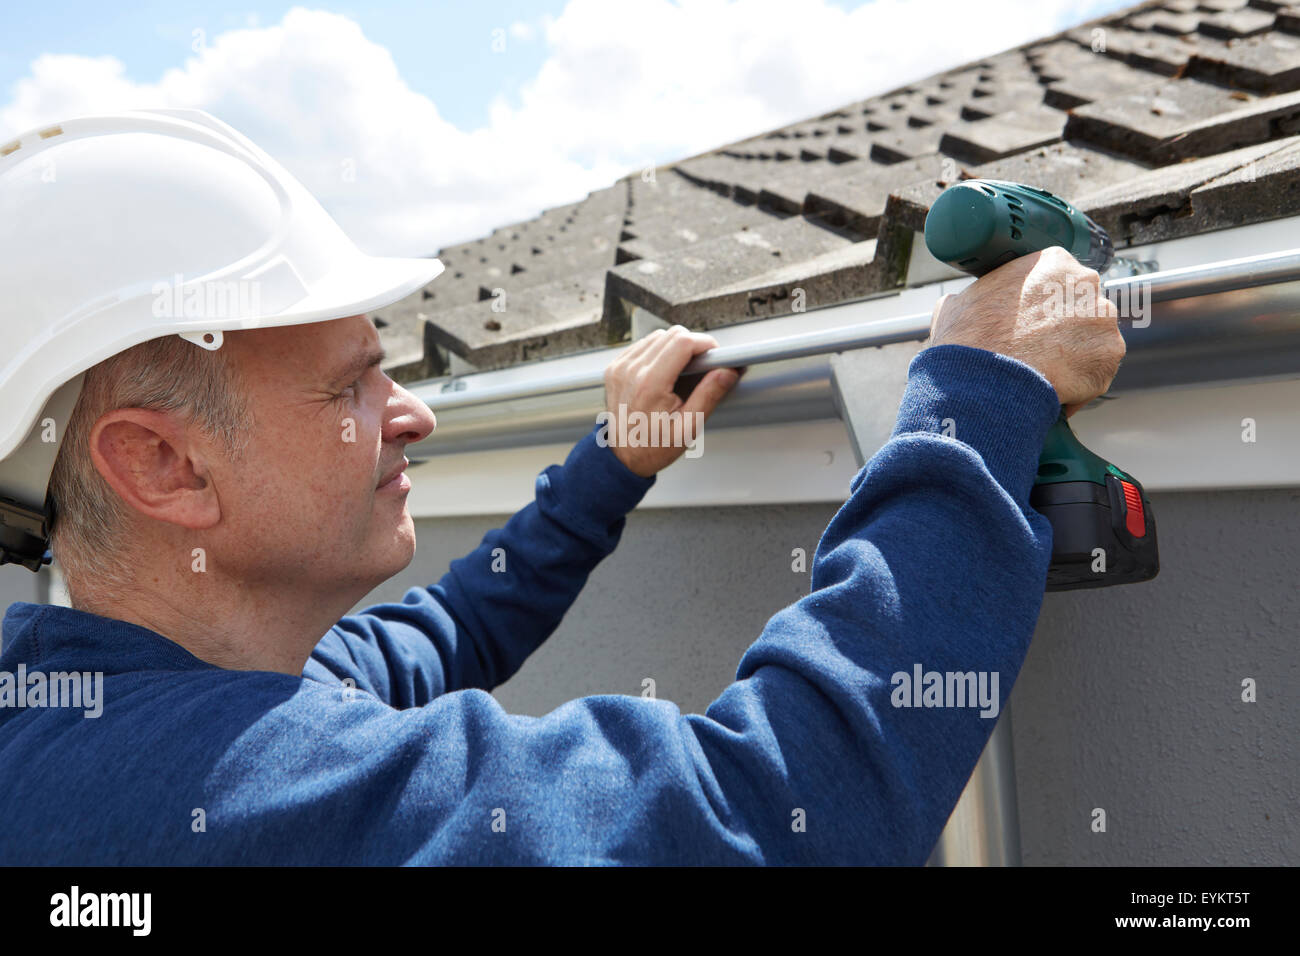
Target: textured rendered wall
{"type": "Point", "coordinates": [1130, 699]}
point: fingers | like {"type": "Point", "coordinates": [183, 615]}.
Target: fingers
{"type": "Point", "coordinates": [633, 357]}
{"type": "Point", "coordinates": [667, 352]}
{"type": "Point", "coordinates": [713, 388]}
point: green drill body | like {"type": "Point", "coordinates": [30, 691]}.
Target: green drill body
{"type": "Point", "coordinates": [1103, 531]}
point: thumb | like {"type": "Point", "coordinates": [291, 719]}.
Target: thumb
{"type": "Point", "coordinates": [711, 390]}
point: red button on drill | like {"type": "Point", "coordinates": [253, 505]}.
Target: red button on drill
{"type": "Point", "coordinates": [1134, 519]}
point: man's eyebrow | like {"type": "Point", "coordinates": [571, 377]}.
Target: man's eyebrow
{"type": "Point", "coordinates": [358, 364]}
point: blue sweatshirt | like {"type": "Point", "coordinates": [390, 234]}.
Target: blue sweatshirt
{"type": "Point", "coordinates": [389, 748]}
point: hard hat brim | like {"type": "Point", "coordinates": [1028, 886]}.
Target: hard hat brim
{"type": "Point", "coordinates": [369, 283]}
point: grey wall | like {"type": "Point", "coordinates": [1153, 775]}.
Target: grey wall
{"type": "Point", "coordinates": [1129, 699]}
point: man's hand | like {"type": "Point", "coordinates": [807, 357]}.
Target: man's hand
{"type": "Point", "coordinates": [642, 379]}
{"type": "Point", "coordinates": [1045, 310]}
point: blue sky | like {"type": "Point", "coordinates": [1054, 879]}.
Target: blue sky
{"type": "Point", "coordinates": [456, 118]}
{"type": "Point", "coordinates": [427, 39]}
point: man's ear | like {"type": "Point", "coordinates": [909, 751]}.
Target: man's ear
{"type": "Point", "coordinates": [152, 461]}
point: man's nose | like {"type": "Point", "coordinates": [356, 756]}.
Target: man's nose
{"type": "Point", "coordinates": [412, 420]}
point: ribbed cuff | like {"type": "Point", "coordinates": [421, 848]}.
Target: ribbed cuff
{"type": "Point", "coordinates": [595, 484]}
{"type": "Point", "coordinates": [999, 406]}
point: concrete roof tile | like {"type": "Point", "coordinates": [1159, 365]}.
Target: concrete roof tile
{"type": "Point", "coordinates": [1097, 79]}
{"type": "Point", "coordinates": [1156, 205]}
{"type": "Point", "coordinates": [1267, 64]}
{"type": "Point", "coordinates": [1265, 188]}
{"type": "Point", "coordinates": [719, 171]}
{"type": "Point", "coordinates": [1168, 55]}
{"type": "Point", "coordinates": [856, 201]}
{"type": "Point", "coordinates": [840, 275]}
{"type": "Point", "coordinates": [402, 335]}
{"type": "Point", "coordinates": [1145, 50]}
{"type": "Point", "coordinates": [1182, 119]}
{"type": "Point", "coordinates": [1061, 59]}
{"type": "Point", "coordinates": [986, 140]}
{"type": "Point", "coordinates": [1167, 22]}
{"type": "Point", "coordinates": [1001, 99]}
{"type": "Point", "coordinates": [658, 236]}
{"type": "Point", "coordinates": [1237, 23]}
{"type": "Point", "coordinates": [897, 145]}
{"type": "Point", "coordinates": [560, 316]}
{"type": "Point", "coordinates": [1066, 169]}
{"type": "Point", "coordinates": [675, 286]}
{"type": "Point", "coordinates": [778, 186]}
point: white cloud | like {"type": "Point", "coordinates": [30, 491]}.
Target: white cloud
{"type": "Point", "coordinates": [624, 85]}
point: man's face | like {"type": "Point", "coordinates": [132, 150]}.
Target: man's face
{"type": "Point", "coordinates": [306, 505]}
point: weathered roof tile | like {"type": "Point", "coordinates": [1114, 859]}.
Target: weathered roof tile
{"type": "Point", "coordinates": [1001, 99]}
{"type": "Point", "coordinates": [856, 201]}
{"type": "Point", "coordinates": [707, 216]}
{"type": "Point", "coordinates": [1265, 188]}
{"type": "Point", "coordinates": [1167, 22]}
{"type": "Point", "coordinates": [1222, 6]}
{"type": "Point", "coordinates": [1157, 205]}
{"type": "Point", "coordinates": [1183, 119]}
{"type": "Point", "coordinates": [1238, 23]}
{"type": "Point", "coordinates": [1168, 55]}
{"type": "Point", "coordinates": [564, 315]}
{"type": "Point", "coordinates": [895, 146]}
{"type": "Point", "coordinates": [686, 286]}
{"type": "Point", "coordinates": [1062, 168]}
{"type": "Point", "coordinates": [1268, 64]}
{"type": "Point", "coordinates": [986, 140]}
{"type": "Point", "coordinates": [1096, 79]}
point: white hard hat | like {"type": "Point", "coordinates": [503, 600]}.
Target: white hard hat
{"type": "Point", "coordinates": [121, 228]}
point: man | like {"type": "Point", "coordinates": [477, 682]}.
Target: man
{"type": "Point", "coordinates": [217, 511]}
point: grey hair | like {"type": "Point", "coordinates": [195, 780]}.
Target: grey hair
{"type": "Point", "coordinates": [91, 538]}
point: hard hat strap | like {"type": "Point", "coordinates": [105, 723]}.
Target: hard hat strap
{"type": "Point", "coordinates": [25, 525]}
{"type": "Point", "coordinates": [24, 534]}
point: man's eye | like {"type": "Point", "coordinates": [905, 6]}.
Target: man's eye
{"type": "Point", "coordinates": [351, 388]}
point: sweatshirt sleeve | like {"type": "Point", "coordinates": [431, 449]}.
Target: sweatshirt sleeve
{"type": "Point", "coordinates": [496, 605]}
{"type": "Point", "coordinates": [936, 561]}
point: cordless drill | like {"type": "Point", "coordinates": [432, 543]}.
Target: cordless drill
{"type": "Point", "coordinates": [1103, 529]}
